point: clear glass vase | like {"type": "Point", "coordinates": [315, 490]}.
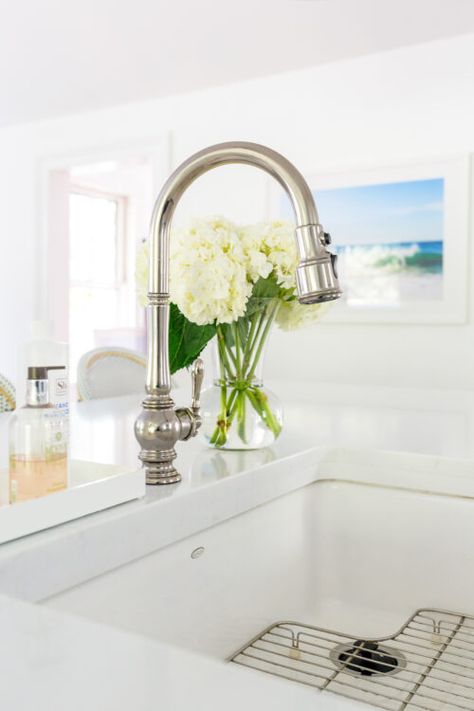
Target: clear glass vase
{"type": "Point", "coordinates": [238, 411]}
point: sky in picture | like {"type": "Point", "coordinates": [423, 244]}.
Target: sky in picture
{"type": "Point", "coordinates": [386, 213]}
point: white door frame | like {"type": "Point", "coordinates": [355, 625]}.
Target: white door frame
{"type": "Point", "coordinates": [52, 282]}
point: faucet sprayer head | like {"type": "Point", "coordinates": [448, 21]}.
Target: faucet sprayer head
{"type": "Point", "coordinates": [316, 273]}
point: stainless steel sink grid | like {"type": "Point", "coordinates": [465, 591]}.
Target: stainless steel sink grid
{"type": "Point", "coordinates": [428, 664]}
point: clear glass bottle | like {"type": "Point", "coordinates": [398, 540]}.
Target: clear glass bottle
{"type": "Point", "coordinates": [38, 443]}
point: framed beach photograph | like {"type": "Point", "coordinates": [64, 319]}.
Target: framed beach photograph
{"type": "Point", "coordinates": [401, 236]}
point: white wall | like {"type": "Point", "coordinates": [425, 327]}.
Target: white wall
{"type": "Point", "coordinates": [404, 105]}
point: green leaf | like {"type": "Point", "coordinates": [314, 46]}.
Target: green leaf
{"type": "Point", "coordinates": [186, 339]}
{"type": "Point", "coordinates": [263, 292]}
{"type": "Point", "coordinates": [266, 288]}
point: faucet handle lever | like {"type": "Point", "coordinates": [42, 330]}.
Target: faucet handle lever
{"type": "Point", "coordinates": [197, 376]}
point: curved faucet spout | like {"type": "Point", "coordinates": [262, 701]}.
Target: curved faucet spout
{"type": "Point", "coordinates": [316, 280]}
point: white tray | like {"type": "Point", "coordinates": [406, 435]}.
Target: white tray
{"type": "Point", "coordinates": [92, 487]}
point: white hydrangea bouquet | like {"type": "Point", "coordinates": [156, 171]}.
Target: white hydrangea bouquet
{"type": "Point", "coordinates": [232, 282]}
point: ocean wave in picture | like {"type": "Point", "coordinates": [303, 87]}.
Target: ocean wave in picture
{"type": "Point", "coordinates": [388, 274]}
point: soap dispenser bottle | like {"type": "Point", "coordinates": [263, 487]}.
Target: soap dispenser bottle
{"type": "Point", "coordinates": [38, 443]}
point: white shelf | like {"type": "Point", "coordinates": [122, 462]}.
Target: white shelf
{"type": "Point", "coordinates": [92, 487]}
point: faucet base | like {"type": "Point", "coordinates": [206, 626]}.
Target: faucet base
{"type": "Point", "coordinates": [159, 467]}
{"type": "Point", "coordinates": [155, 476]}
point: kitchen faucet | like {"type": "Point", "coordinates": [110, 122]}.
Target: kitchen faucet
{"type": "Point", "coordinates": [160, 425]}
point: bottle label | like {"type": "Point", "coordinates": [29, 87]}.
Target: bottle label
{"type": "Point", "coordinates": [58, 388]}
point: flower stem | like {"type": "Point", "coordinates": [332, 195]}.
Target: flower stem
{"type": "Point", "coordinates": [241, 416]}
{"type": "Point", "coordinates": [260, 402]}
{"type": "Point", "coordinates": [223, 351]}
{"type": "Point", "coordinates": [238, 364]}
{"type": "Point", "coordinates": [260, 325]}
{"type": "Point", "coordinates": [273, 309]}
{"type": "Point", "coordinates": [248, 346]}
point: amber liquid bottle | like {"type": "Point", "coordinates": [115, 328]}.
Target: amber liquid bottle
{"type": "Point", "coordinates": [38, 443]}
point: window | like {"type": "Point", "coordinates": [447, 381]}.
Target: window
{"type": "Point", "coordinates": [98, 298]}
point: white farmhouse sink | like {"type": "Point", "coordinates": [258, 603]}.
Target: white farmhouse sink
{"type": "Point", "coordinates": [372, 539]}
{"type": "Point", "coordinates": [351, 557]}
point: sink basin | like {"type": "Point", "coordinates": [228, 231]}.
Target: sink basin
{"type": "Point", "coordinates": [369, 566]}
{"type": "Point", "coordinates": [351, 557]}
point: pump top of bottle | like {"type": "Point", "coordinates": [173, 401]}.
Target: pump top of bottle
{"type": "Point", "coordinates": [37, 387]}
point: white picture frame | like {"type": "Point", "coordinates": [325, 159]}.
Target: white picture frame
{"type": "Point", "coordinates": [449, 303]}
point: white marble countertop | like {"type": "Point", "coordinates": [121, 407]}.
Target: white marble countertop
{"type": "Point", "coordinates": [51, 661]}
{"type": "Point", "coordinates": [436, 422]}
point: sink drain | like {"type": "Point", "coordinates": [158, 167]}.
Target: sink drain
{"type": "Point", "coordinates": [364, 658]}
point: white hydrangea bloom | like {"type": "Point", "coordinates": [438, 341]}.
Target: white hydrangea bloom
{"type": "Point", "coordinates": [257, 263]}
{"type": "Point", "coordinates": [208, 277]}
{"type": "Point", "coordinates": [292, 315]}
{"type": "Point", "coordinates": [276, 241]}
{"type": "Point", "coordinates": [215, 263]}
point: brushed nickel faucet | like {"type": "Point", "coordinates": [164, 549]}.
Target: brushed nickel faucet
{"type": "Point", "coordinates": [160, 425]}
